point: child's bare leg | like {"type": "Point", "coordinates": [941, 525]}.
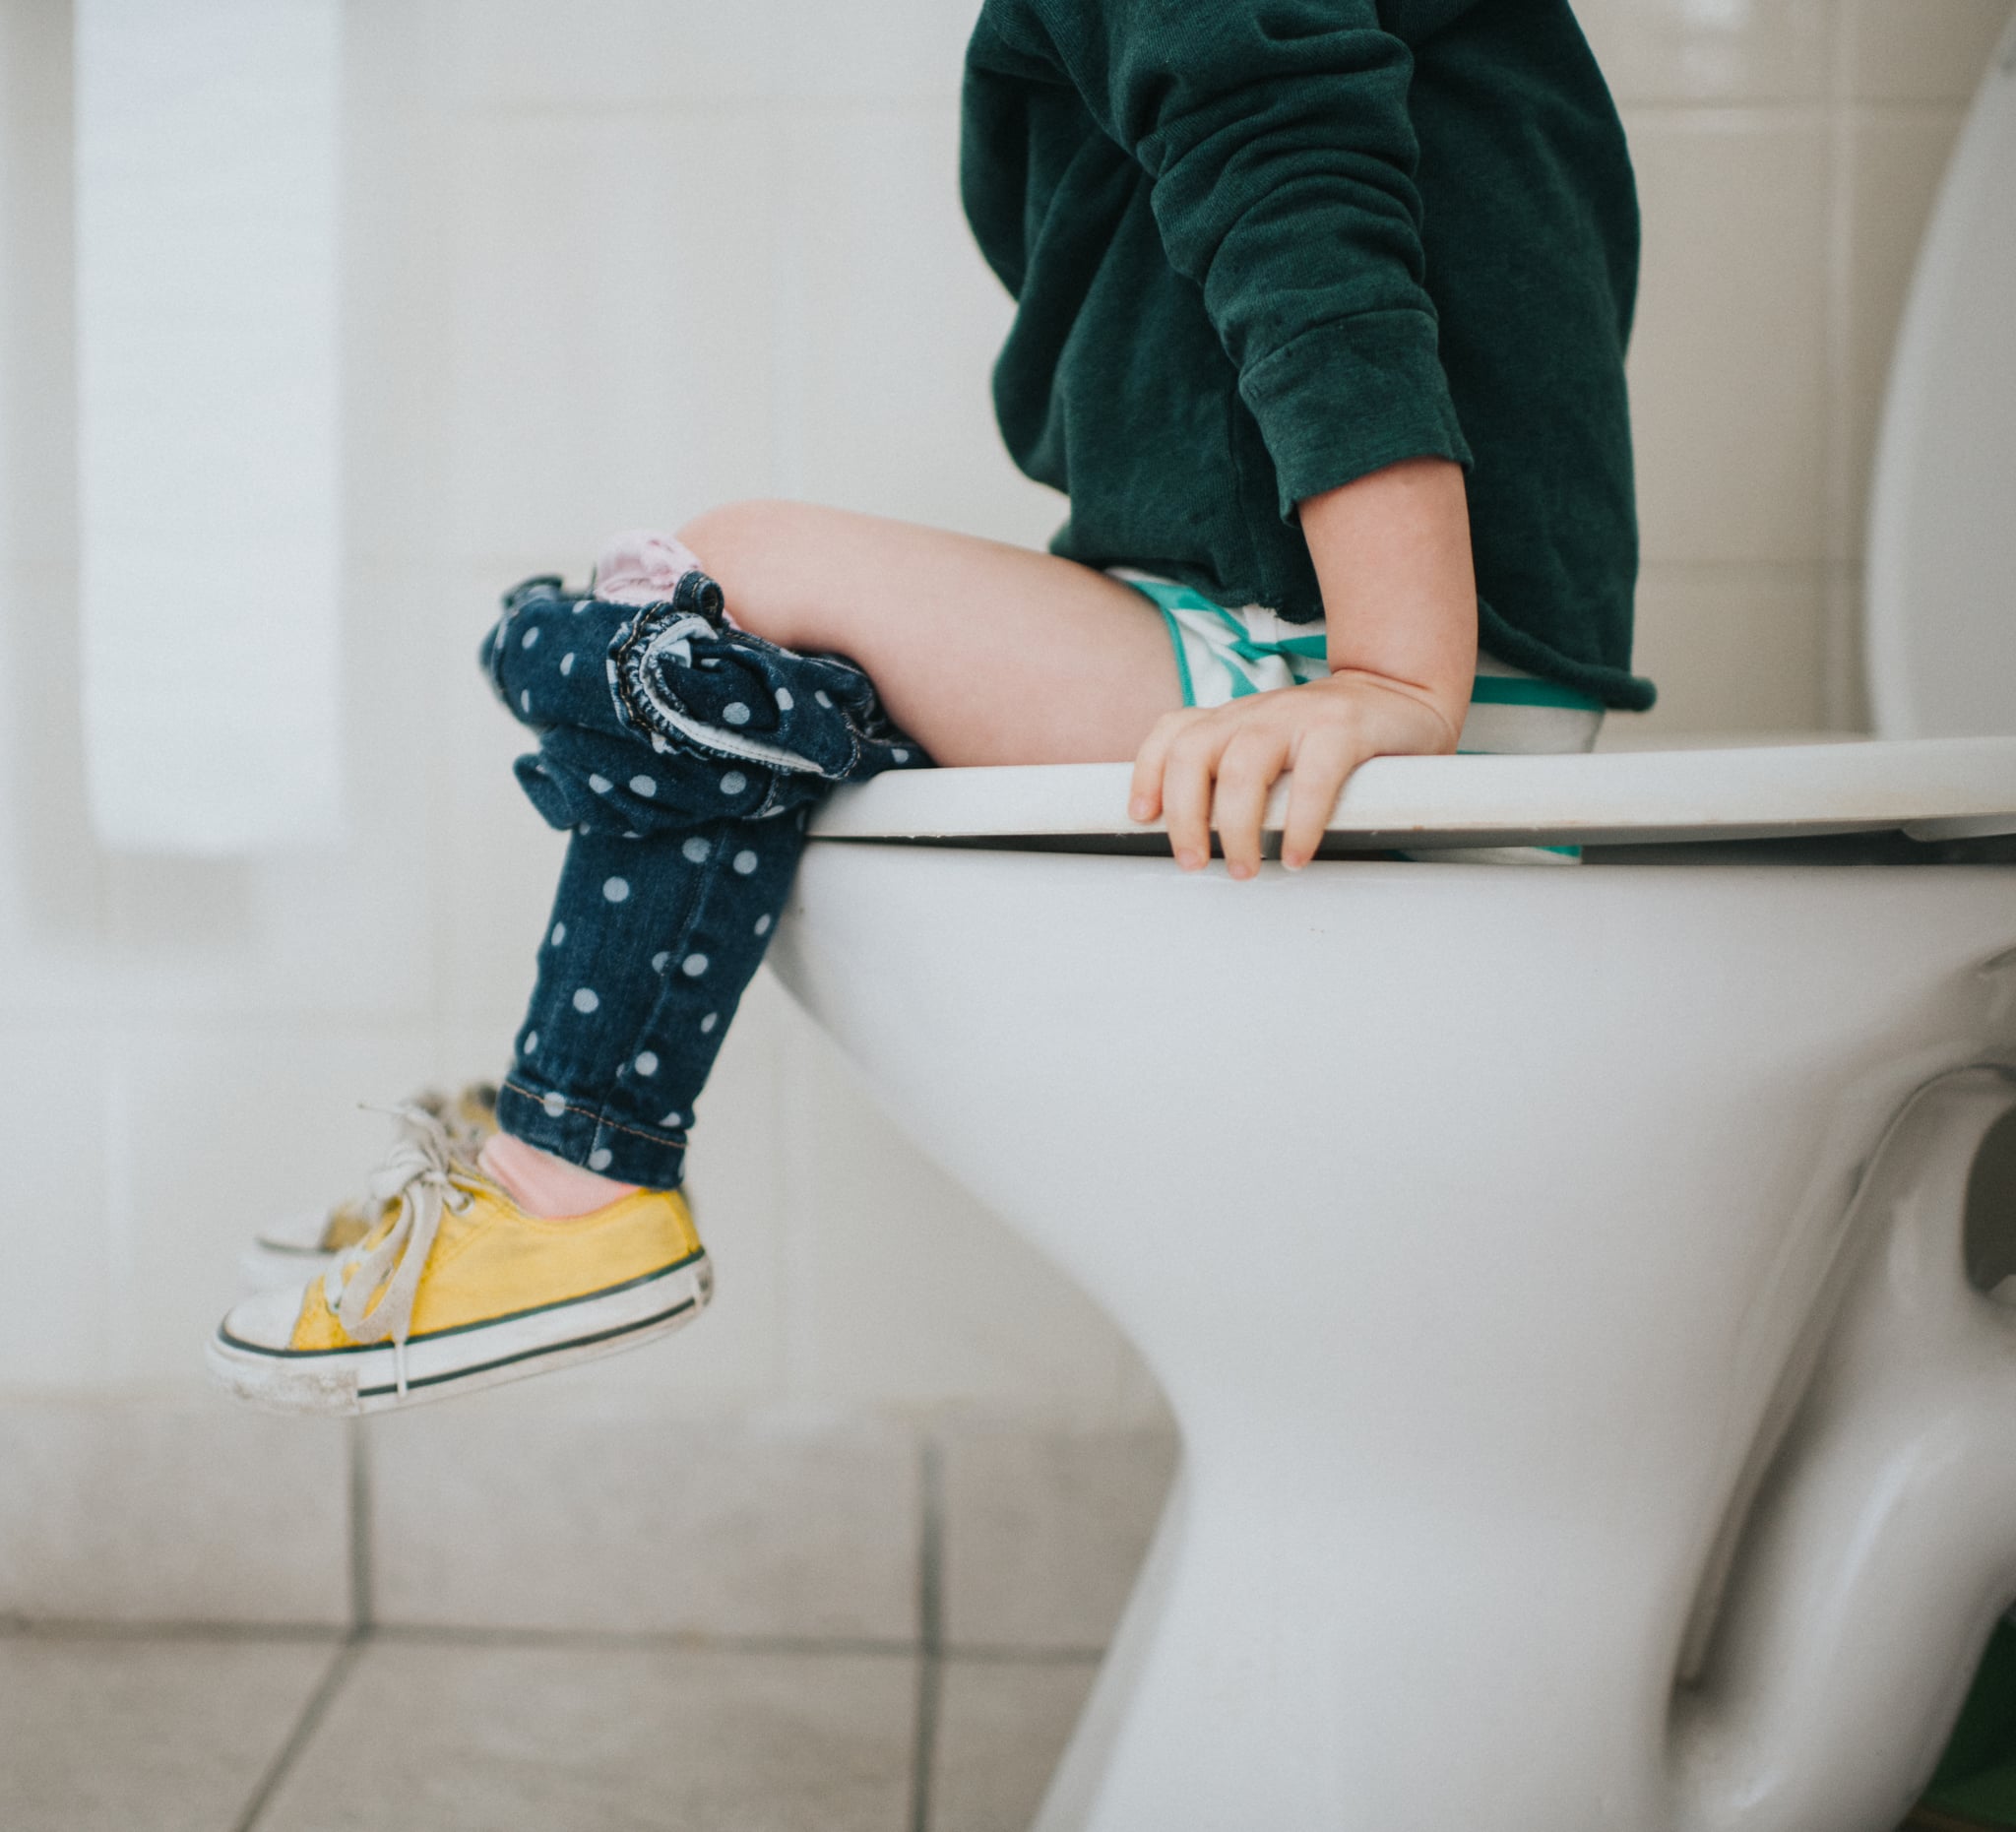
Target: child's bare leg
{"type": "Point", "coordinates": [684, 761]}
{"type": "Point", "coordinates": [984, 653]}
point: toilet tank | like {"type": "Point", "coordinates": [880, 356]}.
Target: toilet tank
{"type": "Point", "coordinates": [1942, 535]}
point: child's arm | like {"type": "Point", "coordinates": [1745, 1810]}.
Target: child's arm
{"type": "Point", "coordinates": [1392, 554]}
{"type": "Point", "coordinates": [1279, 156]}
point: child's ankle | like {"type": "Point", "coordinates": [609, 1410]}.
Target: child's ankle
{"type": "Point", "coordinates": [545, 1185]}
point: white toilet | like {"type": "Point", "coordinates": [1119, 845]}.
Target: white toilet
{"type": "Point", "coordinates": [1566, 1282]}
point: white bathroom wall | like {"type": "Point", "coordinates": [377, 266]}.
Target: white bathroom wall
{"type": "Point", "coordinates": [611, 262]}
{"type": "Point", "coordinates": [1788, 152]}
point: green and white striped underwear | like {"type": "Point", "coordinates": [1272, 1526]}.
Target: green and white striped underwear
{"type": "Point", "coordinates": [1225, 654]}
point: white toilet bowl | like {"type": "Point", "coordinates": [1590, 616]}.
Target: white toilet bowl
{"type": "Point", "coordinates": [1492, 1233]}
{"type": "Point", "coordinates": [1559, 1277]}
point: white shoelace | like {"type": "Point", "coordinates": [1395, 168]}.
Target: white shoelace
{"type": "Point", "coordinates": [422, 1176]}
{"type": "Point", "coordinates": [465, 1137]}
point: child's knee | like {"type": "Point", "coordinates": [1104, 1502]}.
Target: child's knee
{"type": "Point", "coordinates": [736, 529]}
{"type": "Point", "coordinates": [757, 551]}
{"type": "Point", "coordinates": [728, 536]}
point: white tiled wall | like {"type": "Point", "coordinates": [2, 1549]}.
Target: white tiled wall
{"type": "Point", "coordinates": [613, 261]}
{"type": "Point", "coordinates": [1788, 152]}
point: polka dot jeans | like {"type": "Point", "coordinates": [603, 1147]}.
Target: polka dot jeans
{"type": "Point", "coordinates": [685, 757]}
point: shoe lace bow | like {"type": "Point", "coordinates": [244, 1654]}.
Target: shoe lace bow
{"type": "Point", "coordinates": [420, 1175]}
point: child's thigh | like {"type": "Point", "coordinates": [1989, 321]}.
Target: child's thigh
{"type": "Point", "coordinates": [985, 654]}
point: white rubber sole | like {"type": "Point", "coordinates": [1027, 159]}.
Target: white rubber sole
{"type": "Point", "coordinates": [351, 1381]}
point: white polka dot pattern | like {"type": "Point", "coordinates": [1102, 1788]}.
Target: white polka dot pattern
{"type": "Point", "coordinates": [616, 945]}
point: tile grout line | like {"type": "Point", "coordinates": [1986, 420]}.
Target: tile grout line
{"type": "Point", "coordinates": [931, 1628]}
{"type": "Point", "coordinates": [358, 1456]}
{"type": "Point", "coordinates": [358, 1499]}
{"type": "Point", "coordinates": [305, 1726]}
{"type": "Point", "coordinates": [84, 1629]}
{"type": "Point", "coordinates": [1838, 689]}
{"type": "Point", "coordinates": [15, 1628]}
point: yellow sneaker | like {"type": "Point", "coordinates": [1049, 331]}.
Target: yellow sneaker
{"type": "Point", "coordinates": [295, 1247]}
{"type": "Point", "coordinates": [458, 1288]}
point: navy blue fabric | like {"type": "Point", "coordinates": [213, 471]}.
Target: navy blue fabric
{"type": "Point", "coordinates": [684, 756]}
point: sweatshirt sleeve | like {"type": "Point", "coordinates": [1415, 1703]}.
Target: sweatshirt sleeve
{"type": "Point", "coordinates": [1276, 139]}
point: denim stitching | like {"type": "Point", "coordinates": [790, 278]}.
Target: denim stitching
{"type": "Point", "coordinates": [650, 711]}
{"type": "Point", "coordinates": [666, 1000]}
{"type": "Point", "coordinates": [588, 1113]}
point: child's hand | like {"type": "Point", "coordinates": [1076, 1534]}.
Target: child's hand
{"type": "Point", "coordinates": [1392, 555]}
{"type": "Point", "coordinates": [1322, 732]}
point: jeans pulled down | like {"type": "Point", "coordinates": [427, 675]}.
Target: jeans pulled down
{"type": "Point", "coordinates": [684, 756]}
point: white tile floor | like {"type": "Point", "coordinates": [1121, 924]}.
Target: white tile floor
{"type": "Point", "coordinates": [945, 1711]}
{"type": "Point", "coordinates": [175, 1733]}
{"type": "Point", "coordinates": [915, 1671]}
{"type": "Point", "coordinates": [467, 1732]}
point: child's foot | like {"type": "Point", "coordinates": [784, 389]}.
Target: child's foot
{"type": "Point", "coordinates": [293, 1249]}
{"type": "Point", "coordinates": [457, 1287]}
{"type": "Point", "coordinates": [542, 1185]}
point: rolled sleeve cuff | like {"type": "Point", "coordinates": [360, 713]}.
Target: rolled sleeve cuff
{"type": "Point", "coordinates": [1350, 397]}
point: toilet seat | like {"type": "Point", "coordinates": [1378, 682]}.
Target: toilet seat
{"type": "Point", "coordinates": [1928, 790]}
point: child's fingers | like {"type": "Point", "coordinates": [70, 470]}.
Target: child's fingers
{"type": "Point", "coordinates": [1186, 792]}
{"type": "Point", "coordinates": [1246, 772]}
{"type": "Point", "coordinates": [1323, 765]}
{"type": "Point", "coordinates": [1143, 793]}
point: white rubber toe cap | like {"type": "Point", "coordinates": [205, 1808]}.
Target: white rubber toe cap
{"type": "Point", "coordinates": [265, 1320]}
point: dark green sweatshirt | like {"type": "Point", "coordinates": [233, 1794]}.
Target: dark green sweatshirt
{"type": "Point", "coordinates": [1262, 247]}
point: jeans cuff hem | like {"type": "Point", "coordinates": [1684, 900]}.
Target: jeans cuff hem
{"type": "Point", "coordinates": [582, 1133]}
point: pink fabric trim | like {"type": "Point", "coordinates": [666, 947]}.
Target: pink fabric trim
{"type": "Point", "coordinates": [639, 567]}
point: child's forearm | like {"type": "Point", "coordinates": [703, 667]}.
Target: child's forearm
{"type": "Point", "coordinates": [1392, 555]}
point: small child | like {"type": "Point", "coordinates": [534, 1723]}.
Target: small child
{"type": "Point", "coordinates": [1286, 271]}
